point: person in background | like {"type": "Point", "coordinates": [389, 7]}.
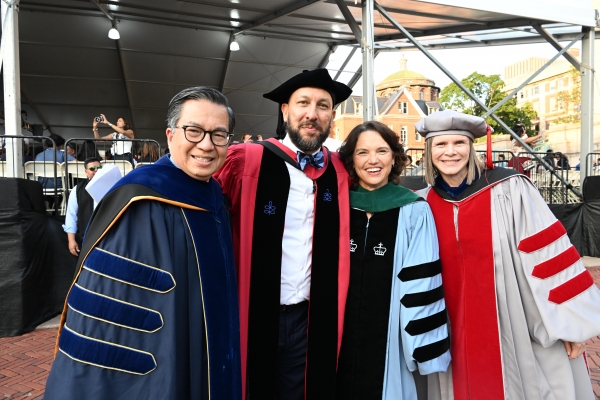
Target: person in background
{"type": "Point", "coordinates": [149, 152]}
{"type": "Point", "coordinates": [395, 324]}
{"type": "Point", "coordinates": [72, 150]}
{"type": "Point", "coordinates": [502, 161]}
{"type": "Point", "coordinates": [48, 155]}
{"type": "Point", "coordinates": [80, 207]}
{"type": "Point", "coordinates": [247, 138]}
{"type": "Point", "coordinates": [121, 147]}
{"type": "Point", "coordinates": [521, 303]}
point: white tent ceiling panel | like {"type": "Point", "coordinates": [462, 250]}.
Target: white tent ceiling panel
{"type": "Point", "coordinates": [153, 38]}
{"type": "Point", "coordinates": [251, 103]}
{"type": "Point", "coordinates": [576, 12]}
{"type": "Point", "coordinates": [58, 29]}
{"type": "Point", "coordinates": [150, 119]}
{"type": "Point", "coordinates": [152, 95]}
{"type": "Point", "coordinates": [248, 76]}
{"type": "Point", "coordinates": [80, 116]}
{"type": "Point", "coordinates": [172, 69]}
{"type": "Point", "coordinates": [75, 91]}
{"type": "Point", "coordinates": [50, 61]}
{"type": "Point", "coordinates": [268, 50]}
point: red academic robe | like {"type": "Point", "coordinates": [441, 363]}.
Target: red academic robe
{"type": "Point", "coordinates": [239, 179]}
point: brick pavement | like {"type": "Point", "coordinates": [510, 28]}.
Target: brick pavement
{"type": "Point", "coordinates": [25, 361]}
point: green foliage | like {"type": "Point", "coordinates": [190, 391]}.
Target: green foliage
{"type": "Point", "coordinates": [490, 90]}
{"type": "Point", "coordinates": [571, 100]}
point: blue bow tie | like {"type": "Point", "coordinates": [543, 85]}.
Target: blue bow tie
{"type": "Point", "coordinates": [317, 160]}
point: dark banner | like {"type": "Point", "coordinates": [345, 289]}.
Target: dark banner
{"type": "Point", "coordinates": [36, 268]}
{"type": "Point", "coordinates": [581, 222]}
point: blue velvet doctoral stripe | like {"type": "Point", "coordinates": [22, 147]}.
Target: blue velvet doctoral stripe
{"type": "Point", "coordinates": [128, 271]}
{"type": "Point", "coordinates": [221, 307]}
{"type": "Point", "coordinates": [119, 313]}
{"type": "Point", "coordinates": [105, 354]}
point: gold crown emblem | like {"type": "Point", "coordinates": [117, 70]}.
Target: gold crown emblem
{"type": "Point", "coordinates": [353, 246]}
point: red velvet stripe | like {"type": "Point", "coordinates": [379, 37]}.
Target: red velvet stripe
{"type": "Point", "coordinates": [556, 264]}
{"type": "Point", "coordinates": [571, 288]}
{"type": "Point", "coordinates": [470, 293]}
{"type": "Point", "coordinates": [542, 238]}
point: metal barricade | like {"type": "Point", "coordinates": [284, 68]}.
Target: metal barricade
{"type": "Point", "coordinates": [416, 156]}
{"type": "Point", "coordinates": [500, 158]}
{"type": "Point", "coordinates": [592, 164]}
{"type": "Point", "coordinates": [104, 148]}
{"type": "Point", "coordinates": [552, 189]}
{"type": "Point", "coordinates": [39, 158]}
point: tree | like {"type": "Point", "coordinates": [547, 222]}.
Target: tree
{"type": "Point", "coordinates": [490, 90]}
{"type": "Point", "coordinates": [571, 100]}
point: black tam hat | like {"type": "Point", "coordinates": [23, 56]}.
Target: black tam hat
{"type": "Point", "coordinates": [318, 78]}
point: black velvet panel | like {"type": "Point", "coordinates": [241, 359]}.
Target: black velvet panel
{"type": "Point", "coordinates": [424, 325]}
{"type": "Point", "coordinates": [431, 351]}
{"type": "Point", "coordinates": [323, 315]}
{"type": "Point", "coordinates": [265, 281]}
{"type": "Point", "coordinates": [423, 298]}
{"type": "Point", "coordinates": [361, 366]}
{"type": "Point", "coordinates": [421, 271]}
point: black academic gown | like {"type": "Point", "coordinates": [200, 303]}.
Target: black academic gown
{"type": "Point", "coordinates": [153, 312]}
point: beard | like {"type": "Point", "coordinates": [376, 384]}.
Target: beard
{"type": "Point", "coordinates": [305, 144]}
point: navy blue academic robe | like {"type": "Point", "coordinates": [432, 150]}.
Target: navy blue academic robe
{"type": "Point", "coordinates": [153, 312]}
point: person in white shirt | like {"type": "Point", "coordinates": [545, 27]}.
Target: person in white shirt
{"type": "Point", "coordinates": [80, 207]}
{"type": "Point", "coordinates": [121, 147]}
{"type": "Point", "coordinates": [289, 209]}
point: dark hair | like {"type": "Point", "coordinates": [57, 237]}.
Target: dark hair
{"type": "Point", "coordinates": [347, 150]}
{"type": "Point", "coordinates": [72, 145]}
{"type": "Point", "coordinates": [127, 125]}
{"type": "Point", "coordinates": [90, 160]}
{"type": "Point", "coordinates": [518, 129]}
{"type": "Point", "coordinates": [58, 140]}
{"type": "Point", "coordinates": [87, 150]}
{"type": "Point", "coordinates": [197, 93]}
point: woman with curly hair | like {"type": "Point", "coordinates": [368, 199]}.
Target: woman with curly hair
{"type": "Point", "coordinates": [395, 321]}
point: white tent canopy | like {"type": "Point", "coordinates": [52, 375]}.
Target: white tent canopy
{"type": "Point", "coordinates": [70, 71]}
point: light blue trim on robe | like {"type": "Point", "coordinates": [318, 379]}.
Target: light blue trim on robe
{"type": "Point", "coordinates": [416, 243]}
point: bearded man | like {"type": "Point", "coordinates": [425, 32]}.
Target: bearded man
{"type": "Point", "coordinates": [289, 208]}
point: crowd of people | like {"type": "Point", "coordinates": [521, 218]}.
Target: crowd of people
{"type": "Point", "coordinates": [283, 270]}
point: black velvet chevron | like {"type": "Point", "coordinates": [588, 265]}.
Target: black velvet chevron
{"type": "Point", "coordinates": [426, 270]}
{"type": "Point", "coordinates": [429, 352]}
{"type": "Point", "coordinates": [424, 325]}
{"type": "Point", "coordinates": [423, 298]}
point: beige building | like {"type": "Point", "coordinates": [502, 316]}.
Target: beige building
{"type": "Point", "coordinates": [403, 98]}
{"type": "Point", "coordinates": [544, 95]}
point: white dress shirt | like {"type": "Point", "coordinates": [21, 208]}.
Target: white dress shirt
{"type": "Point", "coordinates": [297, 236]}
{"type": "Point", "coordinates": [70, 225]}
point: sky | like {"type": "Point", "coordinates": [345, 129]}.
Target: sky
{"type": "Point", "coordinates": [460, 62]}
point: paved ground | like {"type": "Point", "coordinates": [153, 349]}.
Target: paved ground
{"type": "Point", "coordinates": [25, 360]}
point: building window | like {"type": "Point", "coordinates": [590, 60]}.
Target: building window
{"type": "Point", "coordinates": [431, 110]}
{"type": "Point", "coordinates": [403, 107]}
{"type": "Point", "coordinates": [417, 137]}
{"type": "Point", "coordinates": [521, 95]}
{"type": "Point", "coordinates": [391, 127]}
{"type": "Point", "coordinates": [552, 104]}
{"type": "Point", "coordinates": [536, 90]}
{"type": "Point", "coordinates": [421, 95]}
{"type": "Point", "coordinates": [553, 85]}
{"type": "Point", "coordinates": [404, 135]}
{"type": "Point", "coordinates": [358, 108]}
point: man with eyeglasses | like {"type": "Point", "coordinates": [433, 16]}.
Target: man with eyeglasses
{"type": "Point", "coordinates": [80, 207]}
{"type": "Point", "coordinates": [153, 312]}
{"type": "Point", "coordinates": [290, 214]}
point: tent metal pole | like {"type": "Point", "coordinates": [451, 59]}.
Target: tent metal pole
{"type": "Point", "coordinates": [536, 73]}
{"type": "Point", "coordinates": [587, 98]}
{"type": "Point", "coordinates": [475, 98]}
{"type": "Point", "coordinates": [368, 44]}
{"type": "Point", "coordinates": [12, 88]}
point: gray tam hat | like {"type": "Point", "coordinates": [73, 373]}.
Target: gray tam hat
{"type": "Point", "coordinates": [451, 123]}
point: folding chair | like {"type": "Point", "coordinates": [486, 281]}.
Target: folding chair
{"type": "Point", "coordinates": [141, 164]}
{"type": "Point", "coordinates": [34, 170]}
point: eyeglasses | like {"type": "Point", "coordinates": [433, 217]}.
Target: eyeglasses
{"type": "Point", "coordinates": [95, 168]}
{"type": "Point", "coordinates": [195, 134]}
